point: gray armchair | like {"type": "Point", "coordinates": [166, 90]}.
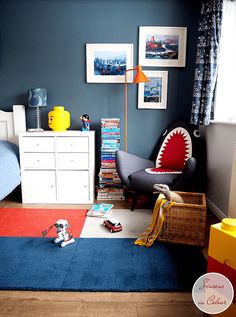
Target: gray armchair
{"type": "Point", "coordinates": [174, 166]}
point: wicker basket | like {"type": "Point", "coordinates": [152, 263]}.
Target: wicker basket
{"type": "Point", "coordinates": [186, 223]}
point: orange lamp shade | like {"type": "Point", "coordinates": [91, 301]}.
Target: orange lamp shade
{"type": "Point", "coordinates": [140, 76]}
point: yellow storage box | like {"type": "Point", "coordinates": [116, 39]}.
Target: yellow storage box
{"type": "Point", "coordinates": [59, 119]}
{"type": "Point", "coordinates": [222, 246]}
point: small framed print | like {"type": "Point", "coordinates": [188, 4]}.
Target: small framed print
{"type": "Point", "coordinates": [153, 94]}
{"type": "Point", "coordinates": [107, 63]}
{"type": "Point", "coordinates": [162, 46]}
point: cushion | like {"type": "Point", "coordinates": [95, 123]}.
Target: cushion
{"type": "Point", "coordinates": [175, 149]}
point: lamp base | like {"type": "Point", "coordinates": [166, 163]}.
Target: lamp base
{"type": "Point", "coordinates": [35, 130]}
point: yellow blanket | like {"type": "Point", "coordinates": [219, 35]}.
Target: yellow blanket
{"type": "Point", "coordinates": [150, 235]}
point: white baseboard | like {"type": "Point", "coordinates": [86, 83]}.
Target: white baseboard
{"type": "Point", "coordinates": [218, 213]}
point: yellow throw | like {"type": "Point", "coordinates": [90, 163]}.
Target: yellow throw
{"type": "Point", "coordinates": [148, 237]}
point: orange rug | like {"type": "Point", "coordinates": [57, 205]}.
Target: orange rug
{"type": "Point", "coordinates": [30, 222]}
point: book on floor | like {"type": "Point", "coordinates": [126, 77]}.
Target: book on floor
{"type": "Point", "coordinates": [100, 210]}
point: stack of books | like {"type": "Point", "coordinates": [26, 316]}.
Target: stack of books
{"type": "Point", "coordinates": [110, 187]}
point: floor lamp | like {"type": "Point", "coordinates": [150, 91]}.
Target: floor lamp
{"type": "Point", "coordinates": [139, 78]}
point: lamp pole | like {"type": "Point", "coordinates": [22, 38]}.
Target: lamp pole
{"type": "Point", "coordinates": [139, 78]}
{"type": "Point", "coordinates": [126, 113]}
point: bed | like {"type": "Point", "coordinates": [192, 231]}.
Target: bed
{"type": "Point", "coordinates": [11, 123]}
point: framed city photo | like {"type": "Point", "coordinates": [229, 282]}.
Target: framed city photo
{"type": "Point", "coordinates": [107, 63]}
{"type": "Point", "coordinates": [153, 94]}
{"type": "Point", "coordinates": [162, 46]}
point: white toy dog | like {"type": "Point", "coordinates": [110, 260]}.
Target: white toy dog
{"type": "Point", "coordinates": [64, 233]}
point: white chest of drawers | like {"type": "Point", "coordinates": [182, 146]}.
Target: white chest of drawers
{"type": "Point", "coordinates": [57, 167]}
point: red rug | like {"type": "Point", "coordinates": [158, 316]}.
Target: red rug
{"type": "Point", "coordinates": [30, 222]}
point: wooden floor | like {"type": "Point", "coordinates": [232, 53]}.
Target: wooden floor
{"type": "Point", "coordinates": [31, 304]}
{"type": "Point", "coordinates": [82, 304]}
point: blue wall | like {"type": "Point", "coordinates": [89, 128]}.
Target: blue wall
{"type": "Point", "coordinates": [42, 44]}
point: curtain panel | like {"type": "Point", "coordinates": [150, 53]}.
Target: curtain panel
{"type": "Point", "coordinates": [209, 32]}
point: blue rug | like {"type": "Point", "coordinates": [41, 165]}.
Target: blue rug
{"type": "Point", "coordinates": [97, 265]}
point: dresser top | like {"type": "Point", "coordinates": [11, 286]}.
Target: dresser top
{"type": "Point", "coordinates": [52, 133]}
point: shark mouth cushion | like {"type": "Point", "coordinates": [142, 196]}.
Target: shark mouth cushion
{"type": "Point", "coordinates": [175, 150]}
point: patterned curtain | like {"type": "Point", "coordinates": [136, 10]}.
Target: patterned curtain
{"type": "Point", "coordinates": [209, 31]}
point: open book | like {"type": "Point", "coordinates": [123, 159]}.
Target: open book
{"type": "Point", "coordinates": [100, 210]}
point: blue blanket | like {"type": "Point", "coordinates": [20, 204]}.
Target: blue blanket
{"type": "Point", "coordinates": [9, 168]}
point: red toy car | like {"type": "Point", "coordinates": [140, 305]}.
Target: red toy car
{"type": "Point", "coordinates": [113, 224]}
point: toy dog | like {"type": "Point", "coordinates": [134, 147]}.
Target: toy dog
{"type": "Point", "coordinates": [65, 235]}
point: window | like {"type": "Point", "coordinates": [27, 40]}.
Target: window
{"type": "Point", "coordinates": [225, 99]}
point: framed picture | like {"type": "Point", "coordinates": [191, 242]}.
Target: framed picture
{"type": "Point", "coordinates": [107, 63]}
{"type": "Point", "coordinates": [162, 46]}
{"type": "Point", "coordinates": [153, 94]}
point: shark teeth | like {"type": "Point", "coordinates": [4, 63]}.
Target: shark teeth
{"type": "Point", "coordinates": [187, 141]}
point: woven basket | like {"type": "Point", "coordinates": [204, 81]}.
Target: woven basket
{"type": "Point", "coordinates": [186, 223]}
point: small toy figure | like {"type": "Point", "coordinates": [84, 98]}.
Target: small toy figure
{"type": "Point", "coordinates": [65, 235]}
{"type": "Point", "coordinates": [85, 122]}
{"type": "Point", "coordinates": [169, 195]}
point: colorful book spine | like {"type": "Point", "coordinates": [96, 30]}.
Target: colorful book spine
{"type": "Point", "coordinates": [109, 187]}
